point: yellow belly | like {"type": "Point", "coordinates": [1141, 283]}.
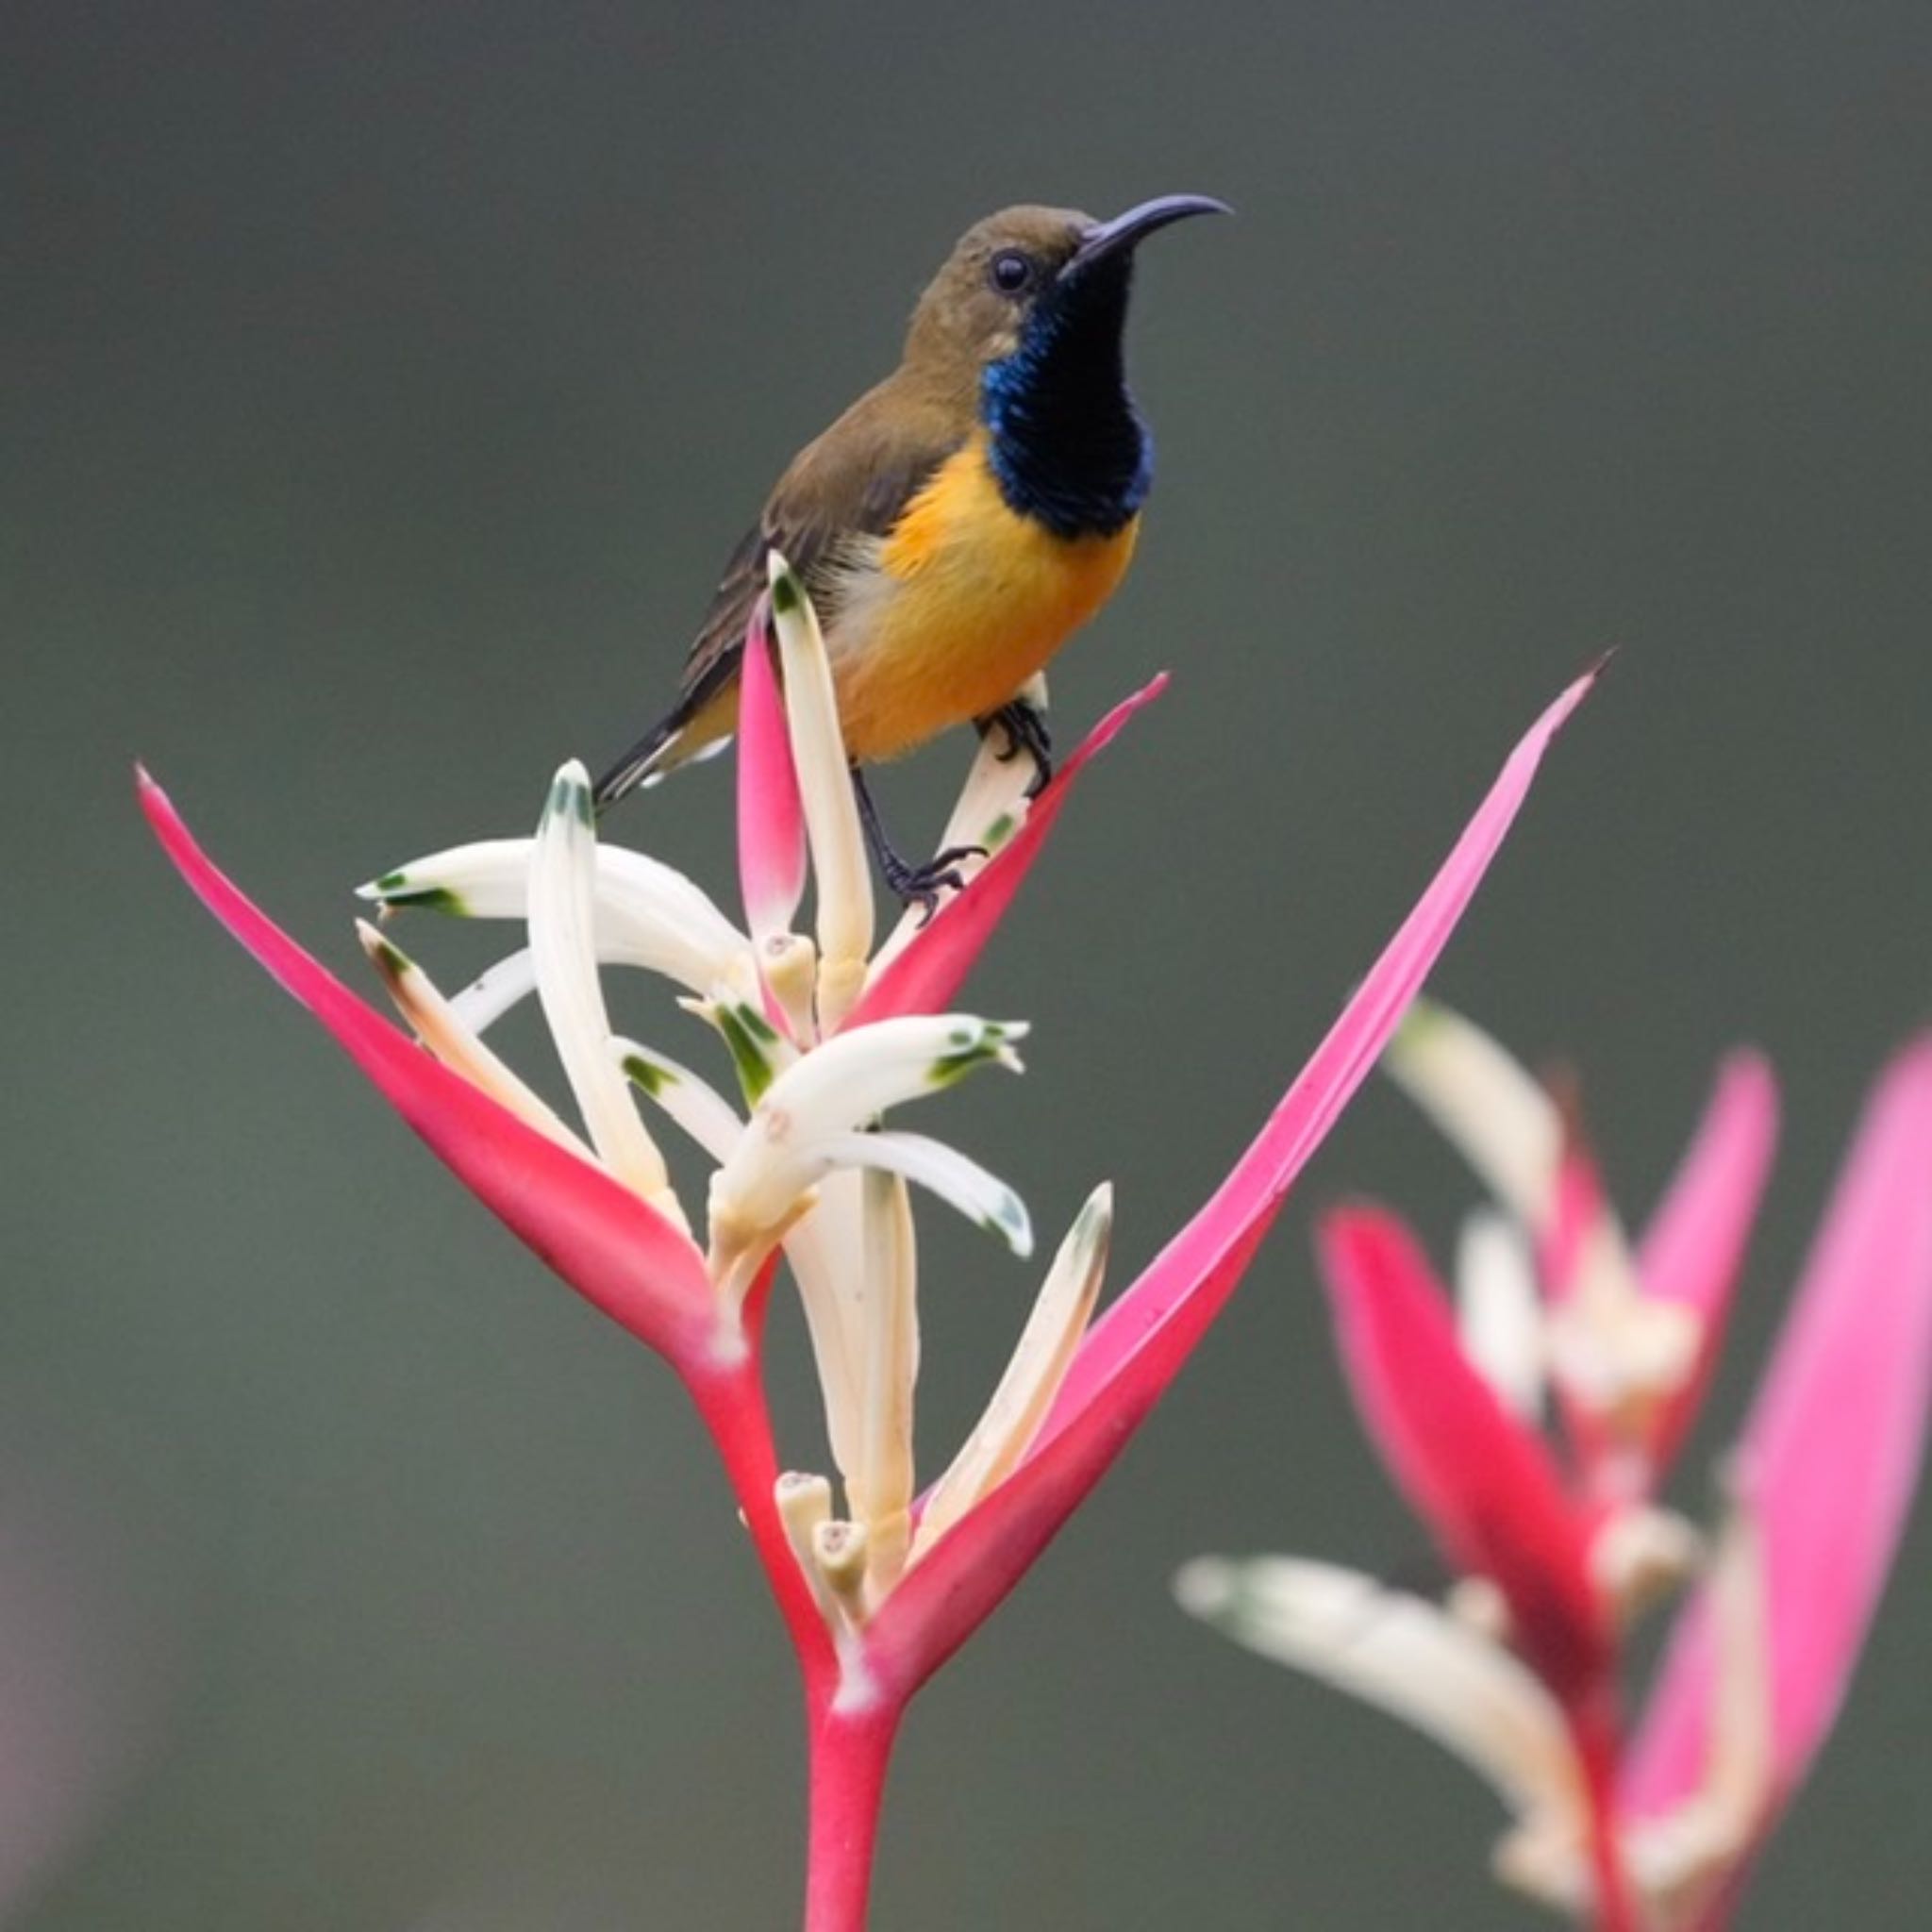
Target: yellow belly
{"type": "Point", "coordinates": [958, 609]}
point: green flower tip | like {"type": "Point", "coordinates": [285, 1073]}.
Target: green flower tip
{"type": "Point", "coordinates": [976, 1045]}
{"type": "Point", "coordinates": [1094, 1222]}
{"type": "Point", "coordinates": [571, 793]}
{"type": "Point", "coordinates": [788, 593]}
{"type": "Point", "coordinates": [744, 1029]}
{"type": "Point", "coordinates": [428, 898]}
{"type": "Point", "coordinates": [648, 1074]}
{"type": "Point", "coordinates": [389, 961]}
{"type": "Point", "coordinates": [1425, 1017]}
{"type": "Point", "coordinates": [757, 1025]}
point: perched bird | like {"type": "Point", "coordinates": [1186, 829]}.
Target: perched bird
{"type": "Point", "coordinates": [958, 522]}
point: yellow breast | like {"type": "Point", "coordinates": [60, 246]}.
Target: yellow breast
{"type": "Point", "coordinates": [954, 611]}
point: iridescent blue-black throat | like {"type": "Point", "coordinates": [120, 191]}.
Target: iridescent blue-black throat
{"type": "Point", "coordinates": [1068, 447]}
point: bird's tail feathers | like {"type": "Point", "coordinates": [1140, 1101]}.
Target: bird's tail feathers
{"type": "Point", "coordinates": [645, 763]}
{"type": "Point", "coordinates": [653, 758]}
{"type": "Point", "coordinates": [694, 757]}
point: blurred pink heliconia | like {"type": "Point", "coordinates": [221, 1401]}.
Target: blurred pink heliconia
{"type": "Point", "coordinates": [878, 1580]}
{"type": "Point", "coordinates": [1518, 1669]}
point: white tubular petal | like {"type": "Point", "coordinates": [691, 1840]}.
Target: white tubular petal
{"type": "Point", "coordinates": [804, 1502]}
{"type": "Point", "coordinates": [495, 991]}
{"type": "Point", "coordinates": [566, 964]}
{"type": "Point", "coordinates": [963, 1184]}
{"type": "Point", "coordinates": [790, 963]}
{"type": "Point", "coordinates": [1404, 1654]}
{"type": "Point", "coordinates": [861, 1074]}
{"type": "Point", "coordinates": [1484, 1103]}
{"type": "Point", "coordinates": [692, 1101]}
{"type": "Point", "coordinates": [993, 803]}
{"type": "Point", "coordinates": [839, 1554]}
{"type": "Point", "coordinates": [991, 807]}
{"type": "Point", "coordinates": [1046, 1352]}
{"type": "Point", "coordinates": [830, 1090]}
{"type": "Point", "coordinates": [662, 921]}
{"type": "Point", "coordinates": [482, 880]}
{"type": "Point", "coordinates": [1499, 1309]}
{"type": "Point", "coordinates": [827, 1257]}
{"type": "Point", "coordinates": [441, 1029]}
{"type": "Point", "coordinates": [842, 872]}
{"type": "Point", "coordinates": [880, 1488]}
{"type": "Point", "coordinates": [649, 914]}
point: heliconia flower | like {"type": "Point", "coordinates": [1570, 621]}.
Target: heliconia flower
{"type": "Point", "coordinates": [878, 1585]}
{"type": "Point", "coordinates": [1517, 1670]}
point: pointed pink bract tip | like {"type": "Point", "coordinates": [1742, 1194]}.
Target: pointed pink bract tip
{"type": "Point", "coordinates": [615, 1249]}
{"type": "Point", "coordinates": [1573, 694]}
{"type": "Point", "coordinates": [924, 977]}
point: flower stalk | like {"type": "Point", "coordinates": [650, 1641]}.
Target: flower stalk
{"type": "Point", "coordinates": [849, 1755]}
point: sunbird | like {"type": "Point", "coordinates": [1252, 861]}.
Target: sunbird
{"type": "Point", "coordinates": [960, 520]}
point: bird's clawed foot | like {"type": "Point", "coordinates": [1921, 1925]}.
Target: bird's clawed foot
{"type": "Point", "coordinates": [914, 885]}
{"type": "Point", "coordinates": [1024, 725]}
{"type": "Point", "coordinates": [921, 885]}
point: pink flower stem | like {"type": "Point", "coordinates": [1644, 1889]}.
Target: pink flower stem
{"type": "Point", "coordinates": [850, 1748]}
{"type": "Point", "coordinates": [731, 1400]}
{"type": "Point", "coordinates": [1599, 1745]}
{"type": "Point", "coordinates": [849, 1755]}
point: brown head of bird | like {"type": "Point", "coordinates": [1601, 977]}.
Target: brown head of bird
{"type": "Point", "coordinates": [1023, 324]}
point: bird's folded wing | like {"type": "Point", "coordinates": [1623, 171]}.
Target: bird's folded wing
{"type": "Point", "coordinates": [851, 484]}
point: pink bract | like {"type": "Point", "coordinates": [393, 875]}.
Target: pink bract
{"type": "Point", "coordinates": [1137, 1346]}
{"type": "Point", "coordinates": [771, 816]}
{"type": "Point", "coordinates": [1477, 1475]}
{"type": "Point", "coordinates": [616, 1251]}
{"type": "Point", "coordinates": [1830, 1454]}
{"type": "Point", "coordinates": [1693, 1247]}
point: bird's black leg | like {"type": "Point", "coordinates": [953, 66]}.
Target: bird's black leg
{"type": "Point", "coordinates": [1024, 725]}
{"type": "Point", "coordinates": [919, 885]}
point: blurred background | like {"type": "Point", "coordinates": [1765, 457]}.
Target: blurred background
{"type": "Point", "coordinates": [383, 387]}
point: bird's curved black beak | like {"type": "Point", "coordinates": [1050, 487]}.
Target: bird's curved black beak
{"type": "Point", "coordinates": [1126, 232]}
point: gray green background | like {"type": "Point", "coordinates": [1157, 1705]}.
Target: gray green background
{"type": "Point", "coordinates": [382, 388]}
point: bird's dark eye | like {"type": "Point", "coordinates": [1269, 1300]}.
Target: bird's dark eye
{"type": "Point", "coordinates": [1010, 272]}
